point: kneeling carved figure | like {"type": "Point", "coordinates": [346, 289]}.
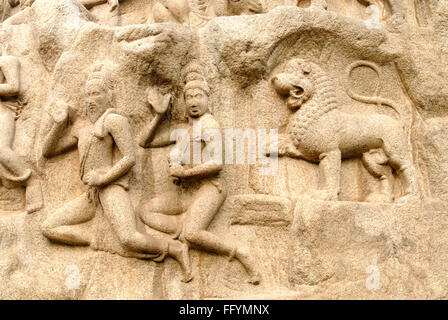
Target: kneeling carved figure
{"type": "Point", "coordinates": [319, 132]}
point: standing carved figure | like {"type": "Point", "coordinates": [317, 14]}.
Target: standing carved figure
{"type": "Point", "coordinates": [14, 171]}
{"type": "Point", "coordinates": [107, 154]}
{"type": "Point", "coordinates": [319, 132]}
{"type": "Point", "coordinates": [188, 218]}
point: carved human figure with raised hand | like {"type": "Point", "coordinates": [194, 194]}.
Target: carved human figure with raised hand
{"type": "Point", "coordinates": [14, 171]}
{"type": "Point", "coordinates": [188, 218]}
{"type": "Point", "coordinates": [107, 154]}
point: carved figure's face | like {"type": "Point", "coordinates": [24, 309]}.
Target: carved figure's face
{"type": "Point", "coordinates": [97, 99]}
{"type": "Point", "coordinates": [296, 88]}
{"type": "Point", "coordinates": [196, 101]}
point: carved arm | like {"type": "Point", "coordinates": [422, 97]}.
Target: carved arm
{"type": "Point", "coordinates": [120, 131]}
{"type": "Point", "coordinates": [147, 135]}
{"type": "Point", "coordinates": [55, 142]}
{"type": "Point", "coordinates": [160, 103]}
{"type": "Point", "coordinates": [204, 170]}
{"type": "Point", "coordinates": [10, 66]}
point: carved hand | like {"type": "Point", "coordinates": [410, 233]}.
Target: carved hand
{"type": "Point", "coordinates": [279, 147]}
{"type": "Point", "coordinates": [95, 179]}
{"type": "Point", "coordinates": [61, 113]}
{"type": "Point", "coordinates": [177, 171]}
{"type": "Point", "coordinates": [157, 101]}
{"type": "Point", "coordinates": [283, 149]}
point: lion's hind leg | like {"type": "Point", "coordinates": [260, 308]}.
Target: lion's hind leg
{"type": "Point", "coordinates": [375, 161]}
{"type": "Point", "coordinates": [398, 152]}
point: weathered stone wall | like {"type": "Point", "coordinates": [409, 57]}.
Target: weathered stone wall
{"type": "Point", "coordinates": [321, 226]}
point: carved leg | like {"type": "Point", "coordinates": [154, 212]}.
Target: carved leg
{"type": "Point", "coordinates": [9, 158]}
{"type": "Point", "coordinates": [399, 160]}
{"type": "Point", "coordinates": [61, 226]}
{"type": "Point", "coordinates": [118, 210]}
{"type": "Point", "coordinates": [329, 176]}
{"type": "Point", "coordinates": [408, 176]}
{"type": "Point", "coordinates": [163, 213]}
{"type": "Point", "coordinates": [201, 213]}
{"type": "Point", "coordinates": [13, 163]}
{"type": "Point", "coordinates": [375, 162]}
{"type": "Point", "coordinates": [162, 222]}
{"type": "Point", "coordinates": [34, 199]}
{"type": "Point", "coordinates": [169, 203]}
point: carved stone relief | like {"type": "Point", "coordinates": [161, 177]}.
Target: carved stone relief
{"type": "Point", "coordinates": [196, 149]}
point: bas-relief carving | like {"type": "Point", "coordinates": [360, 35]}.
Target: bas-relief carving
{"type": "Point", "coordinates": [180, 11]}
{"type": "Point", "coordinates": [15, 171]}
{"type": "Point", "coordinates": [201, 221]}
{"type": "Point", "coordinates": [198, 12]}
{"type": "Point", "coordinates": [321, 133]}
{"type": "Point", "coordinates": [105, 177]}
{"type": "Point", "coordinates": [188, 218]}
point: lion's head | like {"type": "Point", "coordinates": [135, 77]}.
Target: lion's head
{"type": "Point", "coordinates": [305, 86]}
{"type": "Point", "coordinates": [295, 84]}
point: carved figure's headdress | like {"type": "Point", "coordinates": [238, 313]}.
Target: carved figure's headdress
{"type": "Point", "coordinates": [101, 72]}
{"type": "Point", "coordinates": [194, 78]}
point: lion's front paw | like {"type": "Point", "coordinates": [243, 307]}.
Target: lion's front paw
{"type": "Point", "coordinates": [323, 195]}
{"type": "Point", "coordinates": [283, 150]}
{"type": "Point", "coordinates": [278, 147]}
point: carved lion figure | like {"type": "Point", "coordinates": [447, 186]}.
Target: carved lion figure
{"type": "Point", "coordinates": [319, 132]}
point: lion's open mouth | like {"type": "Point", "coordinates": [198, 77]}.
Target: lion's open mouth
{"type": "Point", "coordinates": [297, 92]}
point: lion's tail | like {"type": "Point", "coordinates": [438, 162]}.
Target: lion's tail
{"type": "Point", "coordinates": [370, 99]}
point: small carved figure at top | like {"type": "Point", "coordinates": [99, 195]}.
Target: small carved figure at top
{"type": "Point", "coordinates": [319, 132]}
{"type": "Point", "coordinates": [234, 7]}
{"type": "Point", "coordinates": [311, 4]}
{"type": "Point", "coordinates": [113, 4]}
{"type": "Point", "coordinates": [199, 12]}
{"type": "Point", "coordinates": [176, 11]}
{"type": "Point", "coordinates": [106, 156]}
{"type": "Point", "coordinates": [14, 171]}
{"type": "Point", "coordinates": [112, 17]}
{"type": "Point", "coordinates": [197, 175]}
{"type": "Point", "coordinates": [319, 5]}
